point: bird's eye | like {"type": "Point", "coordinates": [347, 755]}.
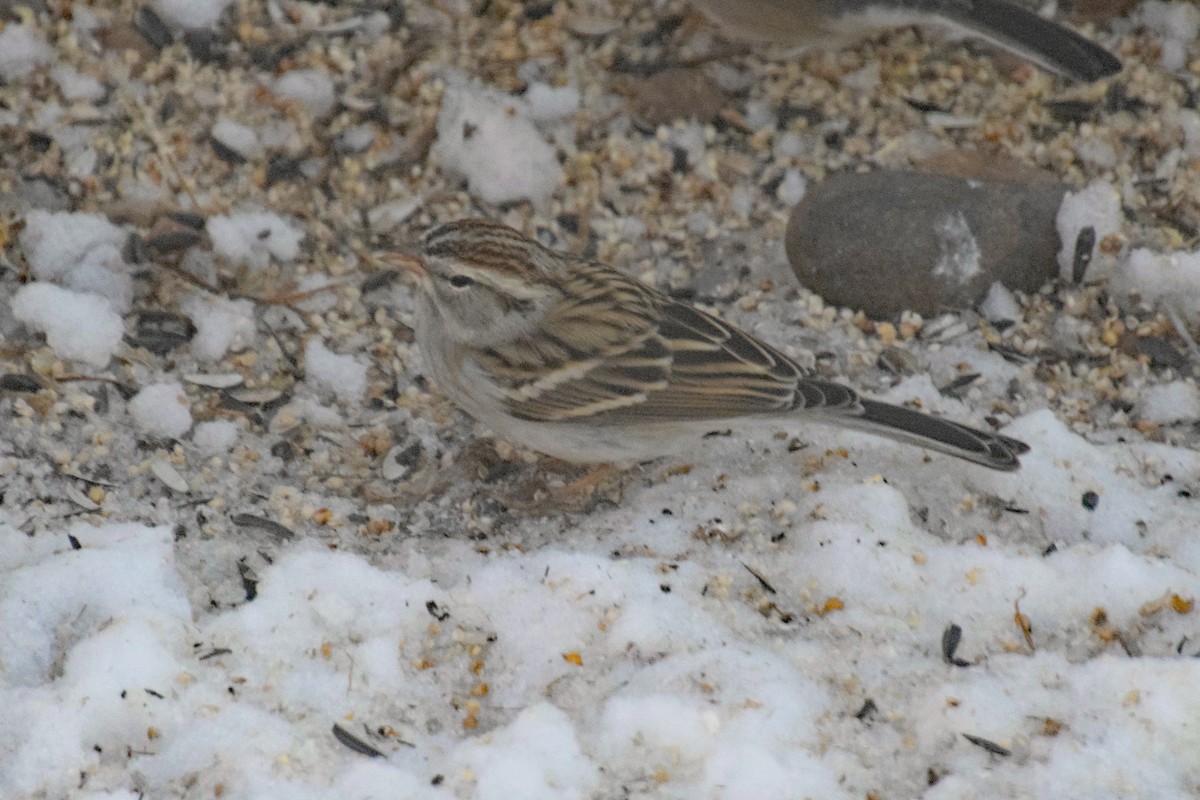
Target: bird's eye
{"type": "Point", "coordinates": [461, 281]}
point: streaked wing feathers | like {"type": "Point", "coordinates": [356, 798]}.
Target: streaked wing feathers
{"type": "Point", "coordinates": [647, 359]}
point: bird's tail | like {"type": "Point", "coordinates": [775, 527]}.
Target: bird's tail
{"type": "Point", "coordinates": [912, 427]}
{"type": "Point", "coordinates": [1049, 45]}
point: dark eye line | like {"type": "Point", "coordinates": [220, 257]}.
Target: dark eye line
{"type": "Point", "coordinates": [460, 281]}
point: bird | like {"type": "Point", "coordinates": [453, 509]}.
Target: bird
{"type": "Point", "coordinates": [1051, 46]}
{"type": "Point", "coordinates": [574, 359]}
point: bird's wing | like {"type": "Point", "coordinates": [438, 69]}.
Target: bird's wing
{"type": "Point", "coordinates": [619, 352]}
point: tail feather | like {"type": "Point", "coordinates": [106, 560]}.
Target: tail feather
{"type": "Point", "coordinates": [912, 427]}
{"type": "Point", "coordinates": [1052, 46]}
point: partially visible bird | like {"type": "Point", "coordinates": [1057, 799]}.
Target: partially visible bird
{"type": "Point", "coordinates": [837, 22]}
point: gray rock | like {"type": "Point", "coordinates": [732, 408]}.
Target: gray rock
{"type": "Point", "coordinates": [888, 241]}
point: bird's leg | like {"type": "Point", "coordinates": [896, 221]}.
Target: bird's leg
{"type": "Point", "coordinates": [582, 491]}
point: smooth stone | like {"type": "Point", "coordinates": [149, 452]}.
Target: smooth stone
{"type": "Point", "coordinates": [889, 241]}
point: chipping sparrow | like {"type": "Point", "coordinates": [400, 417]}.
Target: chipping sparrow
{"type": "Point", "coordinates": [825, 22]}
{"type": "Point", "coordinates": [573, 359]}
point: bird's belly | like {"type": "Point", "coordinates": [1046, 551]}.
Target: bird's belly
{"type": "Point", "coordinates": [459, 379]}
{"type": "Point", "coordinates": [581, 443]}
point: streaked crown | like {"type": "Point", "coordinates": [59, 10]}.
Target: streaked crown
{"type": "Point", "coordinates": [487, 246]}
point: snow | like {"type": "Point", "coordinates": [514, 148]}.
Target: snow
{"type": "Point", "coordinates": [741, 202]}
{"type": "Point", "coordinates": [77, 658]}
{"type": "Point", "coordinates": [78, 326]}
{"type": "Point", "coordinates": [74, 85]}
{"type": "Point", "coordinates": [548, 102]}
{"type": "Point", "coordinates": [788, 145]}
{"type": "Point", "coordinates": [792, 188]}
{"type": "Point", "coordinates": [490, 140]}
{"type": "Point", "coordinates": [1189, 122]}
{"type": "Point", "coordinates": [1099, 152]}
{"type": "Point", "coordinates": [1098, 206]}
{"type": "Point", "coordinates": [343, 375]}
{"type": "Point", "coordinates": [221, 324]}
{"type": "Point", "coordinates": [959, 255]}
{"type": "Point", "coordinates": [161, 409]}
{"type": "Point", "coordinates": [1171, 402]}
{"type": "Point", "coordinates": [21, 52]}
{"type": "Point", "coordinates": [537, 756]}
{"type": "Point", "coordinates": [587, 670]}
{"type": "Point", "coordinates": [80, 251]}
{"type": "Point", "coordinates": [1172, 279]}
{"type": "Point", "coordinates": [192, 13]}
{"type": "Point", "coordinates": [709, 705]}
{"type": "Point", "coordinates": [1000, 304]}
{"type": "Point", "coordinates": [1178, 24]}
{"type": "Point", "coordinates": [311, 88]}
{"type": "Point", "coordinates": [356, 139]}
{"type": "Point", "coordinates": [215, 436]}
{"type": "Point", "coordinates": [253, 238]}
